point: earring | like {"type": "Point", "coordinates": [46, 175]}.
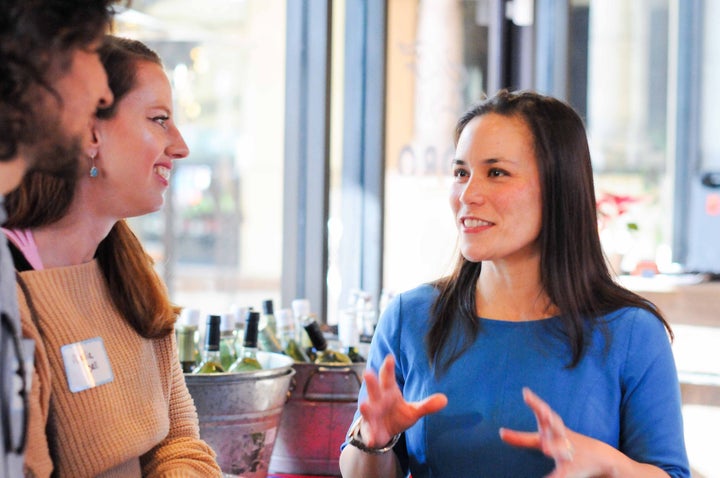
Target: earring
{"type": "Point", "coordinates": [93, 168]}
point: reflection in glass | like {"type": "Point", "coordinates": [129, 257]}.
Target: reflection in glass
{"type": "Point", "coordinates": [218, 240]}
{"type": "Point", "coordinates": [437, 65]}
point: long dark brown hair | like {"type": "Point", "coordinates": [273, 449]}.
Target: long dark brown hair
{"type": "Point", "coordinates": [573, 269]}
{"type": "Point", "coordinates": [42, 199]}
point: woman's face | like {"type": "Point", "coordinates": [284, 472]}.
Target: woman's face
{"type": "Point", "coordinates": [138, 145]}
{"type": "Point", "coordinates": [496, 194]}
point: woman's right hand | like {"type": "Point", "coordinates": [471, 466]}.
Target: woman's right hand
{"type": "Point", "coordinates": [385, 412]}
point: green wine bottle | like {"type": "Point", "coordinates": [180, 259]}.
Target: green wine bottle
{"type": "Point", "coordinates": [211, 355]}
{"type": "Point", "coordinates": [286, 335]}
{"type": "Point", "coordinates": [240, 313]}
{"type": "Point", "coordinates": [324, 355]}
{"type": "Point", "coordinates": [301, 311]}
{"type": "Point", "coordinates": [186, 336]}
{"type": "Point", "coordinates": [227, 339]}
{"type": "Point", "coordinates": [267, 329]}
{"type": "Point", "coordinates": [354, 354]}
{"type": "Point", "coordinates": [349, 334]}
{"type": "Point", "coordinates": [248, 361]}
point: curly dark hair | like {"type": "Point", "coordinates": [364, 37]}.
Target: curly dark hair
{"type": "Point", "coordinates": [37, 37]}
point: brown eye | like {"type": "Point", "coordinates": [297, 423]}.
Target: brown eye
{"type": "Point", "coordinates": [460, 173]}
{"type": "Point", "coordinates": [161, 120]}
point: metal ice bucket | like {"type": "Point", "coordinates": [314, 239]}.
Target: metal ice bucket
{"type": "Point", "coordinates": [316, 418]}
{"type": "Point", "coordinates": [239, 413]}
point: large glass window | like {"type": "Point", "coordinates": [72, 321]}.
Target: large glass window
{"type": "Point", "coordinates": [438, 53]}
{"type": "Point", "coordinates": [627, 105]}
{"type": "Point", "coordinates": [218, 240]}
{"type": "Point", "coordinates": [651, 126]}
{"type": "Point", "coordinates": [437, 67]}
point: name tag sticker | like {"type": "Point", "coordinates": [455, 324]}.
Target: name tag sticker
{"type": "Point", "coordinates": [86, 364]}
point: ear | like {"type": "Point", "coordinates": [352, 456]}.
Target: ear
{"type": "Point", "coordinates": [94, 146]}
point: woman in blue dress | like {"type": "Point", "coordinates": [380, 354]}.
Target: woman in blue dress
{"type": "Point", "coordinates": [528, 360]}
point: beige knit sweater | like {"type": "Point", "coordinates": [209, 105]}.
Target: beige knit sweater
{"type": "Point", "coordinates": [142, 423]}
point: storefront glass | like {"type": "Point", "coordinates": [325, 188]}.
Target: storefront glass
{"type": "Point", "coordinates": [218, 240]}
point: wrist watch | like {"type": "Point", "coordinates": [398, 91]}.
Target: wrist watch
{"type": "Point", "coordinates": [355, 439]}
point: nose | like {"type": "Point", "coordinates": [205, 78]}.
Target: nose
{"type": "Point", "coordinates": [177, 149]}
{"type": "Point", "coordinates": [472, 191]}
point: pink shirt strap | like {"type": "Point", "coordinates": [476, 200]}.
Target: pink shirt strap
{"type": "Point", "coordinates": [23, 239]}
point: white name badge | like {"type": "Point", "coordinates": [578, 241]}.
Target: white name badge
{"type": "Point", "coordinates": [86, 364]}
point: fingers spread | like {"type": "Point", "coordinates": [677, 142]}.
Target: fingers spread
{"type": "Point", "coordinates": [549, 422]}
{"type": "Point", "coordinates": [552, 433]}
{"type": "Point", "coordinates": [372, 386]}
{"type": "Point", "coordinates": [387, 372]}
{"type": "Point", "coordinates": [521, 439]}
{"type": "Point", "coordinates": [432, 404]}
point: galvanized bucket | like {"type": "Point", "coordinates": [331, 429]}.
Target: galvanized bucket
{"type": "Point", "coordinates": [322, 403]}
{"type": "Point", "coordinates": [239, 413]}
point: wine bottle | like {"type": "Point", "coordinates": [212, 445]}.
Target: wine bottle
{"type": "Point", "coordinates": [268, 318]}
{"type": "Point", "coordinates": [354, 354]}
{"type": "Point", "coordinates": [227, 340]}
{"type": "Point", "coordinates": [367, 316]}
{"type": "Point", "coordinates": [302, 315]}
{"type": "Point", "coordinates": [248, 362]}
{"type": "Point", "coordinates": [349, 335]}
{"type": "Point", "coordinates": [267, 329]}
{"type": "Point", "coordinates": [239, 313]}
{"type": "Point", "coordinates": [211, 354]}
{"type": "Point", "coordinates": [186, 336]}
{"type": "Point", "coordinates": [324, 355]}
{"type": "Point", "coordinates": [286, 335]}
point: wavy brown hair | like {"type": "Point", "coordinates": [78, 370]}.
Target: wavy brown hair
{"type": "Point", "coordinates": [573, 269]}
{"type": "Point", "coordinates": [42, 199]}
{"type": "Point", "coordinates": [37, 38]}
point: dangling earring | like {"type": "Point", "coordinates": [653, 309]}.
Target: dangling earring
{"type": "Point", "coordinates": [93, 168]}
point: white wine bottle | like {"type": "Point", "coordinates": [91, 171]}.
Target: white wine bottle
{"type": "Point", "coordinates": [239, 313]}
{"type": "Point", "coordinates": [211, 355]}
{"type": "Point", "coordinates": [349, 335]}
{"type": "Point", "coordinates": [267, 329]}
{"type": "Point", "coordinates": [324, 355]}
{"type": "Point", "coordinates": [301, 312]}
{"type": "Point", "coordinates": [286, 335]}
{"type": "Point", "coordinates": [186, 336]}
{"type": "Point", "coordinates": [227, 340]}
{"type": "Point", "coordinates": [248, 362]}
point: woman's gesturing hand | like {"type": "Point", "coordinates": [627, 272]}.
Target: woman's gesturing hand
{"type": "Point", "coordinates": [576, 455]}
{"type": "Point", "coordinates": [385, 412]}
{"type": "Point", "coordinates": [555, 440]}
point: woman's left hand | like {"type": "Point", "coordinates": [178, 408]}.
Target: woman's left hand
{"type": "Point", "coordinates": [571, 451]}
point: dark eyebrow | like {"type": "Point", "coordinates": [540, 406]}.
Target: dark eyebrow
{"type": "Point", "coordinates": [462, 162]}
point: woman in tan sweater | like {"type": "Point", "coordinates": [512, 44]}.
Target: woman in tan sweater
{"type": "Point", "coordinates": [108, 395]}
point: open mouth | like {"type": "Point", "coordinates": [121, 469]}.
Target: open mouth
{"type": "Point", "coordinates": [162, 171]}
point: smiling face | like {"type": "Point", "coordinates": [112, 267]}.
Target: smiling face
{"type": "Point", "coordinates": [496, 193]}
{"type": "Point", "coordinates": [137, 146]}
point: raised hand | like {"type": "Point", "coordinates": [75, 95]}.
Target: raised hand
{"type": "Point", "coordinates": [575, 455]}
{"type": "Point", "coordinates": [385, 412]}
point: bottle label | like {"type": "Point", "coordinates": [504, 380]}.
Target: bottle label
{"type": "Point", "coordinates": [86, 364]}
